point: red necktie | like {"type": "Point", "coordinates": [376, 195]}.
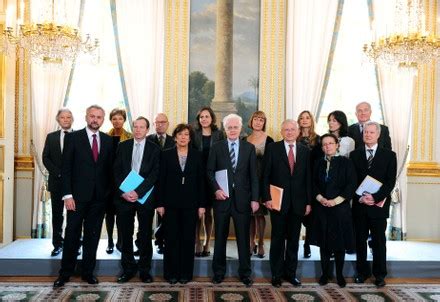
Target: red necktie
{"type": "Point", "coordinates": [291, 158]}
{"type": "Point", "coordinates": [95, 148]}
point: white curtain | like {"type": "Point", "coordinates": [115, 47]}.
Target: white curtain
{"type": "Point", "coordinates": [140, 25]}
{"type": "Point", "coordinates": [309, 35]}
{"type": "Point", "coordinates": [48, 88]}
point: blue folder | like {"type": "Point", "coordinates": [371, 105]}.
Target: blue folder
{"type": "Point", "coordinates": [131, 182]}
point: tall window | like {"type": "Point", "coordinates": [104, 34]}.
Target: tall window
{"type": "Point", "coordinates": [97, 82]}
{"type": "Point", "coordinates": [352, 78]}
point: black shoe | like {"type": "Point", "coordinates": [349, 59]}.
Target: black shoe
{"type": "Point", "coordinates": [307, 252]}
{"type": "Point", "coordinates": [276, 282]}
{"type": "Point", "coordinates": [60, 281]}
{"type": "Point", "coordinates": [247, 281]}
{"type": "Point", "coordinates": [119, 247]}
{"type": "Point", "coordinates": [218, 279]}
{"type": "Point", "coordinates": [90, 279]}
{"type": "Point", "coordinates": [160, 250]}
{"type": "Point", "coordinates": [109, 249]}
{"type": "Point", "coordinates": [323, 280]}
{"type": "Point", "coordinates": [136, 253]}
{"type": "Point", "coordinates": [125, 277]}
{"type": "Point", "coordinates": [341, 281]}
{"type": "Point", "coordinates": [172, 281]}
{"type": "Point", "coordinates": [146, 278]}
{"type": "Point", "coordinates": [56, 251]}
{"type": "Point", "coordinates": [79, 251]}
{"type": "Point", "coordinates": [350, 252]}
{"type": "Point", "coordinates": [184, 280]}
{"type": "Point", "coordinates": [380, 282]}
{"type": "Point", "coordinates": [295, 281]}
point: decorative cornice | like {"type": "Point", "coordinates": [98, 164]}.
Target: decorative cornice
{"type": "Point", "coordinates": [423, 169]}
{"type": "Point", "coordinates": [24, 163]}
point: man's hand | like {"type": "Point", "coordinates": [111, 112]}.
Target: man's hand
{"type": "Point", "coordinates": [131, 196]}
{"type": "Point", "coordinates": [367, 199]}
{"type": "Point", "coordinates": [254, 205]}
{"type": "Point", "coordinates": [201, 212]}
{"type": "Point", "coordinates": [220, 195]}
{"type": "Point", "coordinates": [308, 210]}
{"type": "Point", "coordinates": [69, 203]}
{"type": "Point", "coordinates": [160, 211]}
{"type": "Point", "coordinates": [268, 204]}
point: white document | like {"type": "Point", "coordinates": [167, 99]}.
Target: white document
{"type": "Point", "coordinates": [221, 177]}
{"type": "Point", "coordinates": [369, 185]}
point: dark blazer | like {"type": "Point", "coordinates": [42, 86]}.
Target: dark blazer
{"type": "Point", "coordinates": [297, 187]}
{"type": "Point", "coordinates": [172, 192]}
{"type": "Point", "coordinates": [169, 141]}
{"type": "Point", "coordinates": [80, 175]}
{"type": "Point", "coordinates": [52, 157]}
{"type": "Point", "coordinates": [244, 181]}
{"type": "Point", "coordinates": [216, 136]}
{"type": "Point", "coordinates": [384, 169]}
{"type": "Point", "coordinates": [149, 169]}
{"type": "Point", "coordinates": [384, 138]}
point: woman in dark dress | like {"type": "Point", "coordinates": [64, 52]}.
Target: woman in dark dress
{"type": "Point", "coordinates": [309, 138]}
{"type": "Point", "coordinates": [260, 140]}
{"type": "Point", "coordinates": [334, 183]}
{"type": "Point", "coordinates": [181, 200]}
{"type": "Point", "coordinates": [206, 134]}
{"type": "Point", "coordinates": [118, 134]}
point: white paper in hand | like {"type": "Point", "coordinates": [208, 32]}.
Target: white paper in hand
{"type": "Point", "coordinates": [221, 177]}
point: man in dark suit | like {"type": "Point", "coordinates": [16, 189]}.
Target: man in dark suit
{"type": "Point", "coordinates": [86, 167]}
{"type": "Point", "coordinates": [52, 154]}
{"type": "Point", "coordinates": [287, 166]}
{"type": "Point", "coordinates": [238, 158]}
{"type": "Point", "coordinates": [370, 211]}
{"type": "Point", "coordinates": [363, 114]}
{"type": "Point", "coordinates": [164, 141]}
{"type": "Point", "coordinates": [142, 156]}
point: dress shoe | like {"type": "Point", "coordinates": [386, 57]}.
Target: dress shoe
{"type": "Point", "coordinates": [295, 281]}
{"type": "Point", "coordinates": [184, 280]}
{"type": "Point", "coordinates": [160, 250]}
{"type": "Point", "coordinates": [172, 281]}
{"type": "Point", "coordinates": [247, 281]}
{"type": "Point", "coordinates": [276, 282]}
{"type": "Point", "coordinates": [218, 279]}
{"type": "Point", "coordinates": [146, 278]}
{"type": "Point", "coordinates": [360, 278]}
{"type": "Point", "coordinates": [109, 249]}
{"type": "Point", "coordinates": [307, 252]}
{"type": "Point", "coordinates": [60, 281]}
{"type": "Point", "coordinates": [125, 277]}
{"type": "Point", "coordinates": [56, 251]}
{"type": "Point", "coordinates": [341, 281]}
{"type": "Point", "coordinates": [323, 280]}
{"type": "Point", "coordinates": [380, 282]}
{"type": "Point", "coordinates": [136, 253]}
{"type": "Point", "coordinates": [90, 279]}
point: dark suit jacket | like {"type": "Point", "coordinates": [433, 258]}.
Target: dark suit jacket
{"type": "Point", "coordinates": [384, 138]}
{"type": "Point", "coordinates": [80, 175]}
{"type": "Point", "coordinates": [384, 169]}
{"type": "Point", "coordinates": [244, 181]}
{"type": "Point", "coordinates": [216, 136]}
{"type": "Point", "coordinates": [52, 157]}
{"type": "Point", "coordinates": [149, 169]}
{"type": "Point", "coordinates": [297, 187]}
{"type": "Point", "coordinates": [169, 141]}
{"type": "Point", "coordinates": [174, 194]}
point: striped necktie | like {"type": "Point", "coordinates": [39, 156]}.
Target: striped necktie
{"type": "Point", "coordinates": [232, 156]}
{"type": "Point", "coordinates": [370, 157]}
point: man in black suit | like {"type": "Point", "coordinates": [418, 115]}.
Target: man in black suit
{"type": "Point", "coordinates": [370, 211]}
{"type": "Point", "coordinates": [52, 154]}
{"type": "Point", "coordinates": [238, 158]}
{"type": "Point", "coordinates": [287, 166]}
{"type": "Point", "coordinates": [142, 156]}
{"type": "Point", "coordinates": [86, 167]}
{"type": "Point", "coordinates": [164, 141]}
{"type": "Point", "coordinates": [363, 114]}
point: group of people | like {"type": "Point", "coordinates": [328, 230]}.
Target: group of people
{"type": "Point", "coordinates": [200, 177]}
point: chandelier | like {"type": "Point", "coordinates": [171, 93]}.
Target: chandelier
{"type": "Point", "coordinates": [46, 42]}
{"type": "Point", "coordinates": [410, 44]}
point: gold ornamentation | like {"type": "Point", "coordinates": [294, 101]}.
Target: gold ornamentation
{"type": "Point", "coordinates": [24, 163]}
{"type": "Point", "coordinates": [423, 169]}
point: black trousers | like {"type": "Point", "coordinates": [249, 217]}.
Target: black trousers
{"type": "Point", "coordinates": [242, 229]}
{"type": "Point", "coordinates": [57, 218]}
{"type": "Point", "coordinates": [126, 212]}
{"type": "Point", "coordinates": [376, 227]}
{"type": "Point", "coordinates": [90, 216]}
{"type": "Point", "coordinates": [178, 258]}
{"type": "Point", "coordinates": [283, 257]}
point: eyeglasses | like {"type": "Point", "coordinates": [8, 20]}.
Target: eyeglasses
{"type": "Point", "coordinates": [229, 128]}
{"type": "Point", "coordinates": [328, 144]}
{"type": "Point", "coordinates": [161, 122]}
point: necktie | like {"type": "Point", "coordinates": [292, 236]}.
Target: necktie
{"type": "Point", "coordinates": [361, 128]}
{"type": "Point", "coordinates": [291, 158]}
{"type": "Point", "coordinates": [95, 148]}
{"type": "Point", "coordinates": [370, 157]}
{"type": "Point", "coordinates": [232, 156]}
{"type": "Point", "coordinates": [136, 160]}
{"type": "Point", "coordinates": [62, 141]}
{"type": "Point", "coordinates": [161, 141]}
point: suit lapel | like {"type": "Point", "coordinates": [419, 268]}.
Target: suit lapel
{"type": "Point", "coordinates": [240, 153]}
{"type": "Point", "coordinates": [86, 142]}
{"type": "Point", "coordinates": [58, 142]}
{"type": "Point", "coordinates": [226, 152]}
{"type": "Point", "coordinates": [284, 154]}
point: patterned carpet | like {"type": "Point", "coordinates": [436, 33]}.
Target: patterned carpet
{"type": "Point", "coordinates": [205, 291]}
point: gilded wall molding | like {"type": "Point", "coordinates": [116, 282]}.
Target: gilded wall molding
{"type": "Point", "coordinates": [24, 163]}
{"type": "Point", "coordinates": [272, 64]}
{"type": "Point", "coordinates": [2, 91]}
{"type": "Point", "coordinates": [177, 18]}
{"type": "Point", "coordinates": [423, 169]}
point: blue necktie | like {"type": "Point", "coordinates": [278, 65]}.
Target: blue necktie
{"type": "Point", "coordinates": [232, 156]}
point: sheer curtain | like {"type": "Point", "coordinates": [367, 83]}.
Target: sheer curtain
{"type": "Point", "coordinates": [310, 28]}
{"type": "Point", "coordinates": [48, 87]}
{"type": "Point", "coordinates": [139, 33]}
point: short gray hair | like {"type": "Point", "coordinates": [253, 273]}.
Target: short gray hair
{"type": "Point", "coordinates": [61, 110]}
{"type": "Point", "coordinates": [230, 117]}
{"type": "Point", "coordinates": [376, 124]}
{"type": "Point", "coordinates": [95, 106]}
{"type": "Point", "coordinates": [287, 121]}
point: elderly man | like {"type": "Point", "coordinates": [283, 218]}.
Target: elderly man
{"type": "Point", "coordinates": [371, 209]}
{"type": "Point", "coordinates": [52, 154]}
{"type": "Point", "coordinates": [238, 159]}
{"type": "Point", "coordinates": [363, 114]}
{"type": "Point", "coordinates": [287, 166]}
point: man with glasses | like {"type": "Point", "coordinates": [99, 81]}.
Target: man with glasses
{"type": "Point", "coordinates": [238, 159]}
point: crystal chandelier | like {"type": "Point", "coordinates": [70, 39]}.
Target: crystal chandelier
{"type": "Point", "coordinates": [46, 42]}
{"type": "Point", "coordinates": [410, 44]}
